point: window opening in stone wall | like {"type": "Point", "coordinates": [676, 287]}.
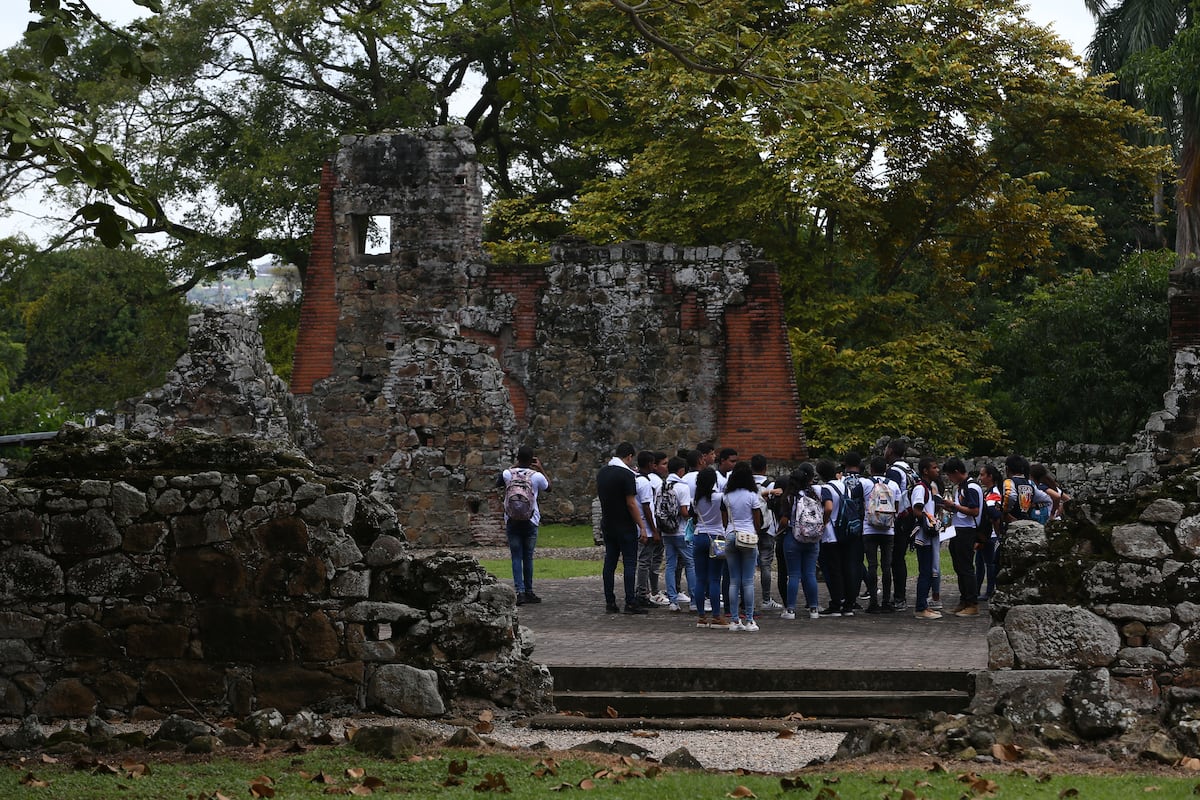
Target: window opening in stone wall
{"type": "Point", "coordinates": [370, 285]}
{"type": "Point", "coordinates": [372, 234]}
{"type": "Point", "coordinates": [429, 383]}
{"type": "Point", "coordinates": [682, 394]}
{"type": "Point", "coordinates": [389, 345]}
{"type": "Point", "coordinates": [460, 180]}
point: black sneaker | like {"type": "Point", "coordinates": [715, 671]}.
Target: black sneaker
{"type": "Point", "coordinates": [520, 598]}
{"type": "Point", "coordinates": [873, 608]}
{"type": "Point", "coordinates": [848, 611]}
{"type": "Point", "coordinates": [886, 608]}
{"type": "Point", "coordinates": [830, 612]}
{"type": "Point", "coordinates": [612, 608]}
{"type": "Point", "coordinates": [635, 610]}
{"type": "Point", "coordinates": [530, 597]}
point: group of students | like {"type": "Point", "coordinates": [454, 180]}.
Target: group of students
{"type": "Point", "coordinates": [723, 524]}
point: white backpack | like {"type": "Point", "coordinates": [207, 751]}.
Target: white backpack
{"type": "Point", "coordinates": [881, 505]}
{"type": "Point", "coordinates": [808, 519]}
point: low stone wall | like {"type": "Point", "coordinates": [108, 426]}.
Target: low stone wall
{"type": "Point", "coordinates": [1096, 632]}
{"type": "Point", "coordinates": [227, 574]}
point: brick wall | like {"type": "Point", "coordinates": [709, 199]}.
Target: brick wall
{"type": "Point", "coordinates": [313, 360]}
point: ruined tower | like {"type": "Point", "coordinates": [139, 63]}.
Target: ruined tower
{"type": "Point", "coordinates": [423, 365]}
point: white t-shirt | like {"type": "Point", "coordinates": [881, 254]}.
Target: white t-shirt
{"type": "Point", "coordinates": [922, 503]}
{"type": "Point", "coordinates": [683, 493]}
{"type": "Point", "coordinates": [827, 492]}
{"type": "Point", "coordinates": [647, 492]}
{"type": "Point", "coordinates": [741, 504]}
{"type": "Point", "coordinates": [709, 512]}
{"type": "Point", "coordinates": [539, 483]}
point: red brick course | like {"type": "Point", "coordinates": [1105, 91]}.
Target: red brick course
{"type": "Point", "coordinates": [313, 359]}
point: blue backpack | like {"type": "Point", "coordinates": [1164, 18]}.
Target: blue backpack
{"type": "Point", "coordinates": [851, 509]}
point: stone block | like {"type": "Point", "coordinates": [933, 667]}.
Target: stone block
{"type": "Point", "coordinates": [1055, 636]}
{"type": "Point", "coordinates": [145, 537]}
{"type": "Point", "coordinates": [317, 638]}
{"type": "Point", "coordinates": [66, 698]}
{"type": "Point", "coordinates": [169, 685]}
{"type": "Point", "coordinates": [15, 625]}
{"type": "Point", "coordinates": [29, 574]}
{"type": "Point", "coordinates": [254, 635]}
{"type": "Point", "coordinates": [90, 534]}
{"type": "Point", "coordinates": [1139, 542]}
{"type": "Point", "coordinates": [1162, 511]}
{"type": "Point", "coordinates": [111, 576]}
{"type": "Point", "coordinates": [405, 690]}
{"type": "Point", "coordinates": [21, 525]}
{"type": "Point", "coordinates": [157, 641]}
{"type": "Point", "coordinates": [337, 510]}
{"type": "Point", "coordinates": [292, 688]}
{"type": "Point", "coordinates": [207, 574]}
{"type": "Point", "coordinates": [351, 583]}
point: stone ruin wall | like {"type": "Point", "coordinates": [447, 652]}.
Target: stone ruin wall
{"type": "Point", "coordinates": [210, 574]}
{"type": "Point", "coordinates": [1095, 625]}
{"type": "Point", "coordinates": [423, 367]}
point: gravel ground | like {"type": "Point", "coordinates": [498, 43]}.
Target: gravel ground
{"type": "Point", "coordinates": [717, 750]}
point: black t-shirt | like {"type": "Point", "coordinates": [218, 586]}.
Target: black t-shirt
{"type": "Point", "coordinates": [614, 484]}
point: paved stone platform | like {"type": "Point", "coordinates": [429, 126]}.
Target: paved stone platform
{"type": "Point", "coordinates": [571, 628]}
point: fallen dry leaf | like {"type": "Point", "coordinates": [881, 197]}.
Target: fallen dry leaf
{"type": "Point", "coordinates": [355, 773]}
{"type": "Point", "coordinates": [361, 790]}
{"type": "Point", "coordinates": [493, 782]}
{"type": "Point", "coordinates": [586, 784]}
{"type": "Point", "coordinates": [487, 715]}
{"type": "Point", "coordinates": [483, 726]}
{"type": "Point", "coordinates": [457, 768]}
{"type": "Point", "coordinates": [908, 794]}
{"type": "Point", "coordinates": [261, 790]}
{"type": "Point", "coordinates": [984, 786]}
{"type": "Point", "coordinates": [48, 759]}
{"type": "Point", "coordinates": [937, 766]}
{"type": "Point", "coordinates": [135, 770]}
{"type": "Point", "coordinates": [1190, 763]}
{"type": "Point", "coordinates": [741, 791]}
{"type": "Point", "coordinates": [645, 734]}
{"type": "Point", "coordinates": [562, 787]}
{"type": "Point", "coordinates": [611, 712]}
{"type": "Point", "coordinates": [33, 781]}
{"type": "Point", "coordinates": [1150, 789]}
{"type": "Point", "coordinates": [371, 782]}
{"type": "Point", "coordinates": [323, 777]}
{"type": "Point", "coordinates": [794, 784]}
{"type": "Point", "coordinates": [826, 793]}
{"type": "Point", "coordinates": [786, 733]}
{"type": "Point", "coordinates": [1006, 752]}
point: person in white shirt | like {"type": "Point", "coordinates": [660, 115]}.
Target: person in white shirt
{"type": "Point", "coordinates": [652, 467]}
{"type": "Point", "coordinates": [522, 533]}
{"type": "Point", "coordinates": [678, 550]}
{"type": "Point", "coordinates": [924, 507]}
{"type": "Point", "coordinates": [879, 535]}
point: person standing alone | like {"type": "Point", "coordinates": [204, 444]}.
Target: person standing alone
{"type": "Point", "coordinates": [522, 485]}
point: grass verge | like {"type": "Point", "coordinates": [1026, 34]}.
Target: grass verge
{"type": "Point", "coordinates": [545, 568]}
{"type": "Point", "coordinates": [469, 773]}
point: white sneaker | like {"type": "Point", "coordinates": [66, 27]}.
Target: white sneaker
{"type": "Point", "coordinates": [673, 607]}
{"type": "Point", "coordinates": [660, 599]}
{"type": "Point", "coordinates": [936, 605]}
{"type": "Point", "coordinates": [785, 614]}
{"type": "Point", "coordinates": [682, 598]}
{"type": "Point", "coordinates": [750, 625]}
{"type": "Point", "coordinates": [736, 625]}
{"type": "Point", "coordinates": [814, 614]}
{"type": "Point", "coordinates": [772, 604]}
{"type": "Point", "coordinates": [708, 604]}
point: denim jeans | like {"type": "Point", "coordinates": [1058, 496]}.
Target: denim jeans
{"type": "Point", "coordinates": [522, 538]}
{"type": "Point", "coordinates": [678, 550]}
{"type": "Point", "coordinates": [708, 576]}
{"type": "Point", "coordinates": [621, 547]}
{"type": "Point", "coordinates": [985, 567]}
{"type": "Point", "coordinates": [801, 558]}
{"type": "Point", "coordinates": [741, 562]}
{"type": "Point", "coordinates": [924, 574]}
{"type": "Point", "coordinates": [878, 548]}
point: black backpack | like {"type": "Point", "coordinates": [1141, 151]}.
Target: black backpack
{"type": "Point", "coordinates": [852, 508]}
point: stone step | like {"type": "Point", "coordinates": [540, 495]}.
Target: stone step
{"type": "Point", "coordinates": [762, 704]}
{"type": "Point", "coordinates": [675, 692]}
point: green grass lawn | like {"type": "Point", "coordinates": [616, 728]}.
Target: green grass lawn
{"type": "Point", "coordinates": [472, 774]}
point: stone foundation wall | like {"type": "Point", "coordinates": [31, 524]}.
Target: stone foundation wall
{"type": "Point", "coordinates": [149, 576]}
{"type": "Point", "coordinates": [1096, 631]}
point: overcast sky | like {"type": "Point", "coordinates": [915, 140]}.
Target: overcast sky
{"type": "Point", "coordinates": [1069, 18]}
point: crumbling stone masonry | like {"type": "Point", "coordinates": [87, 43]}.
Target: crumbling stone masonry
{"type": "Point", "coordinates": [1096, 628]}
{"type": "Point", "coordinates": [423, 366]}
{"type": "Point", "coordinates": [227, 574]}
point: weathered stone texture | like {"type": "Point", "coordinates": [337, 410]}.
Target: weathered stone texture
{"type": "Point", "coordinates": [143, 607]}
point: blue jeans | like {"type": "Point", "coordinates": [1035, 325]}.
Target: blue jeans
{"type": "Point", "coordinates": [620, 547]}
{"type": "Point", "coordinates": [678, 549]}
{"type": "Point", "coordinates": [924, 574]}
{"type": "Point", "coordinates": [522, 538]}
{"type": "Point", "coordinates": [708, 576]}
{"type": "Point", "coordinates": [801, 559]}
{"type": "Point", "coordinates": [741, 562]}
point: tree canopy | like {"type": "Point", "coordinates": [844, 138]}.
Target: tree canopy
{"type": "Point", "coordinates": [902, 162]}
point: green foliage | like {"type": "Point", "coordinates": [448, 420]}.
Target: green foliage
{"type": "Point", "coordinates": [545, 569]}
{"type": "Point", "coordinates": [98, 325]}
{"type": "Point", "coordinates": [279, 323]}
{"type": "Point", "coordinates": [24, 410]}
{"type": "Point", "coordinates": [1085, 358]}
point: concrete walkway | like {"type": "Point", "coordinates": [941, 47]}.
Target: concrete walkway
{"type": "Point", "coordinates": [571, 629]}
